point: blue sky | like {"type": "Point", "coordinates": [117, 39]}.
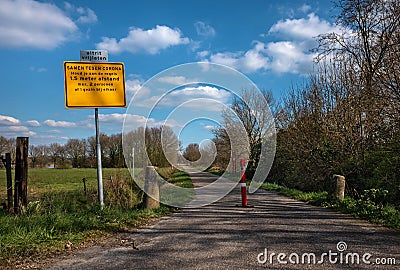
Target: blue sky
{"type": "Point", "coordinates": [269, 41]}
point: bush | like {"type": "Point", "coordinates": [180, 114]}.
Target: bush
{"type": "Point", "coordinates": [119, 191]}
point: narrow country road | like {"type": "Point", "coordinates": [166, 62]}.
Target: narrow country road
{"type": "Point", "coordinates": [226, 236]}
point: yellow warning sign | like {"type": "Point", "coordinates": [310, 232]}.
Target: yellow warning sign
{"type": "Point", "coordinates": [94, 85]}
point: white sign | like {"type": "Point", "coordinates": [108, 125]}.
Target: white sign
{"type": "Point", "coordinates": [94, 56]}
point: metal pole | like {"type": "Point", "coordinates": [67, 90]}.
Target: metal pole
{"type": "Point", "coordinates": [98, 157]}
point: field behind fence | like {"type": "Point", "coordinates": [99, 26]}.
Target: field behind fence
{"type": "Point", "coordinates": [63, 211]}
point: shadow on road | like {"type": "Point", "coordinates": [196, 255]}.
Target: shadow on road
{"type": "Point", "coordinates": [225, 236]}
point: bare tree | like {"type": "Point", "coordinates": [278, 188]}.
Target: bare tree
{"type": "Point", "coordinates": [54, 152]}
{"type": "Point", "coordinates": [192, 152]}
{"type": "Point", "coordinates": [369, 42]}
{"type": "Point", "coordinates": [251, 112]}
{"type": "Point", "coordinates": [34, 155]}
{"type": "Point", "coordinates": [76, 151]}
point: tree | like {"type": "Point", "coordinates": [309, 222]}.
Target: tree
{"type": "Point", "coordinates": [112, 146]}
{"type": "Point", "coordinates": [54, 152]}
{"type": "Point", "coordinates": [346, 117]}
{"type": "Point", "coordinates": [134, 141]}
{"type": "Point", "coordinates": [91, 151]}
{"type": "Point", "coordinates": [223, 148]}
{"type": "Point", "coordinates": [369, 42]}
{"type": "Point", "coordinates": [43, 155]}
{"type": "Point", "coordinates": [158, 142]}
{"type": "Point", "coordinates": [34, 155]}
{"type": "Point", "coordinates": [76, 151]}
{"type": "Point", "coordinates": [151, 146]}
{"type": "Point", "coordinates": [7, 146]}
{"type": "Point", "coordinates": [192, 152]}
{"type": "Point", "coordinates": [250, 121]}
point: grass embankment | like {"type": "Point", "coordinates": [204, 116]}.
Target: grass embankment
{"type": "Point", "coordinates": [369, 206]}
{"type": "Point", "coordinates": [173, 196]}
{"type": "Point", "coordinates": [60, 214]}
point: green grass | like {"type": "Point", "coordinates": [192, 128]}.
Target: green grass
{"type": "Point", "coordinates": [363, 208]}
{"type": "Point", "coordinates": [59, 212]}
{"type": "Point", "coordinates": [173, 196]}
{"type": "Point", "coordinates": [181, 179]}
{"type": "Point", "coordinates": [42, 181]}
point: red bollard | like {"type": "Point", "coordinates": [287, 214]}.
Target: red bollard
{"type": "Point", "coordinates": [243, 182]}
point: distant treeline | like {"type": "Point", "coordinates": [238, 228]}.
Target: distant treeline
{"type": "Point", "coordinates": [76, 153]}
{"type": "Point", "coordinates": [81, 153]}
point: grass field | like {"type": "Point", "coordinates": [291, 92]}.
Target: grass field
{"type": "Point", "coordinates": [59, 213]}
{"type": "Point", "coordinates": [41, 181]}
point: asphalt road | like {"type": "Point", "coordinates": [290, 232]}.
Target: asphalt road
{"type": "Point", "coordinates": [277, 233]}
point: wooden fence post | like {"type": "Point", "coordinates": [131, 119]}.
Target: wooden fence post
{"type": "Point", "coordinates": [21, 174]}
{"type": "Point", "coordinates": [7, 164]}
{"type": "Point", "coordinates": [338, 186]}
{"type": "Point", "coordinates": [84, 185]}
{"type": "Point", "coordinates": [151, 197]}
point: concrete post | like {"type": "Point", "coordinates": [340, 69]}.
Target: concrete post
{"type": "Point", "coordinates": [338, 186]}
{"type": "Point", "coordinates": [151, 198]}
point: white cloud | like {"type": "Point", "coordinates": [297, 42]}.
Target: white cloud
{"type": "Point", "coordinates": [118, 118]}
{"type": "Point", "coordinates": [174, 80]}
{"type": "Point", "coordinates": [11, 127]}
{"type": "Point", "coordinates": [291, 53]}
{"type": "Point", "coordinates": [114, 121]}
{"type": "Point", "coordinates": [290, 57]}
{"type": "Point", "coordinates": [28, 23]}
{"type": "Point", "coordinates": [8, 120]}
{"type": "Point", "coordinates": [86, 15]}
{"type": "Point", "coordinates": [54, 131]}
{"type": "Point", "coordinates": [15, 131]}
{"type": "Point", "coordinates": [304, 28]}
{"type": "Point", "coordinates": [18, 128]}
{"type": "Point", "coordinates": [227, 58]}
{"type": "Point", "coordinates": [204, 29]}
{"type": "Point", "coordinates": [305, 8]}
{"type": "Point", "coordinates": [133, 83]}
{"type": "Point", "coordinates": [249, 61]}
{"type": "Point", "coordinates": [210, 128]}
{"type": "Point", "coordinates": [38, 69]}
{"type": "Point", "coordinates": [202, 54]}
{"type": "Point", "coordinates": [202, 91]}
{"type": "Point", "coordinates": [33, 123]}
{"type": "Point", "coordinates": [150, 41]}
{"type": "Point", "coordinates": [83, 15]}
{"type": "Point", "coordinates": [112, 118]}
{"type": "Point", "coordinates": [61, 124]}
{"type": "Point", "coordinates": [207, 96]}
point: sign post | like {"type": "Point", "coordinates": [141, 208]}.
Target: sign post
{"type": "Point", "coordinates": [95, 83]}
{"type": "Point", "coordinates": [98, 158]}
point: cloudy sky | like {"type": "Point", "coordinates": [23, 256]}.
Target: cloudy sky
{"type": "Point", "coordinates": [270, 42]}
